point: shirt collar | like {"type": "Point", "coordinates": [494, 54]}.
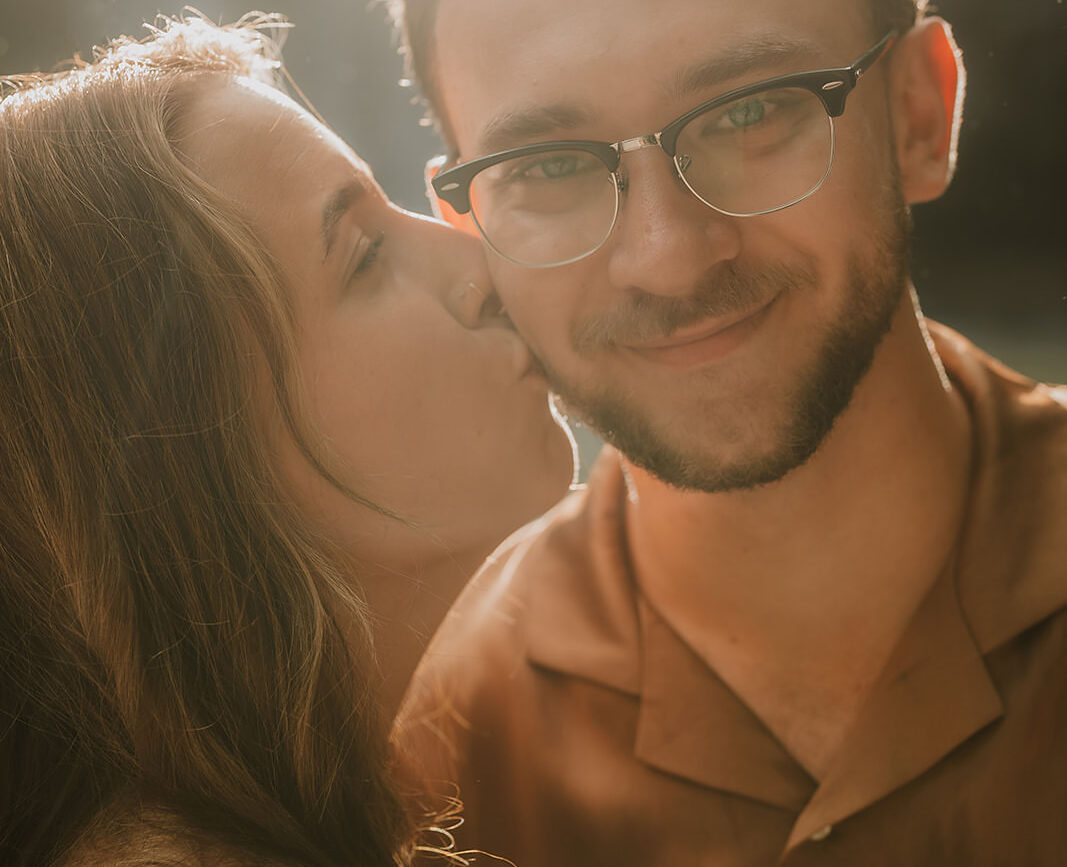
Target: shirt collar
{"type": "Point", "coordinates": [1013, 554]}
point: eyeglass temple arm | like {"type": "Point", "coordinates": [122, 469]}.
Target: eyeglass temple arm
{"type": "Point", "coordinates": [835, 91]}
{"type": "Point", "coordinates": [869, 58]}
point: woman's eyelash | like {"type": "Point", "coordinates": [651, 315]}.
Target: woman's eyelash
{"type": "Point", "coordinates": [370, 255]}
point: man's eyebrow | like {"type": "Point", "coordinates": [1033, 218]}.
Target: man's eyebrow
{"type": "Point", "coordinates": [742, 60]}
{"type": "Point", "coordinates": [337, 205]}
{"type": "Point", "coordinates": [525, 125]}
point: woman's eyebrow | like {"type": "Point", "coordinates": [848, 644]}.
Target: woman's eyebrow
{"type": "Point", "coordinates": [337, 205]}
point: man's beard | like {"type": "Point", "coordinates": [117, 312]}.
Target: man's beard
{"type": "Point", "coordinates": [874, 289]}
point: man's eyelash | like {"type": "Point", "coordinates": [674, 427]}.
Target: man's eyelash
{"type": "Point", "coordinates": [370, 256]}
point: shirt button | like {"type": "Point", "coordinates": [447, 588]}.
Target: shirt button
{"type": "Point", "coordinates": [821, 834]}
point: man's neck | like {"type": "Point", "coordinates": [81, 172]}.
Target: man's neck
{"type": "Point", "coordinates": [803, 586]}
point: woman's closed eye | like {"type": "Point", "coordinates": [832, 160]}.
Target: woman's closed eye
{"type": "Point", "coordinates": [365, 254]}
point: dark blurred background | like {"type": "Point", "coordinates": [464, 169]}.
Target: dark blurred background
{"type": "Point", "coordinates": [990, 256]}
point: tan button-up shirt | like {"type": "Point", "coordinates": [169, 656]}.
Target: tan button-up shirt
{"type": "Point", "coordinates": [581, 729]}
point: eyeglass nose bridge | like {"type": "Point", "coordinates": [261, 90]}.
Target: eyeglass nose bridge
{"type": "Point", "coordinates": [629, 145]}
{"type": "Point", "coordinates": [625, 146]}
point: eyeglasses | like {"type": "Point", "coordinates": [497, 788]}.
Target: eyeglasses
{"type": "Point", "coordinates": [755, 150]}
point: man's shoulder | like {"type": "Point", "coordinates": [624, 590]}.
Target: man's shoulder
{"type": "Point", "coordinates": [475, 663]}
{"type": "Point", "coordinates": [1013, 551]}
{"type": "Point", "coordinates": [487, 616]}
{"type": "Point", "coordinates": [555, 597]}
{"type": "Point", "coordinates": [1016, 418]}
{"type": "Point", "coordinates": [559, 572]}
{"type": "Point", "coordinates": [984, 377]}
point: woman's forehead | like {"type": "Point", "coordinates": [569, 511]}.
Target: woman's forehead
{"type": "Point", "coordinates": [237, 128]}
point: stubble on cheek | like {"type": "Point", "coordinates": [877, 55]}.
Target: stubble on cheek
{"type": "Point", "coordinates": [643, 316]}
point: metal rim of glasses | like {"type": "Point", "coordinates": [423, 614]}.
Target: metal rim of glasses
{"type": "Point", "coordinates": [794, 201]}
{"type": "Point", "coordinates": [617, 186]}
{"type": "Point", "coordinates": [607, 234]}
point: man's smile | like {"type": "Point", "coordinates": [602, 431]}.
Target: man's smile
{"type": "Point", "coordinates": [705, 341]}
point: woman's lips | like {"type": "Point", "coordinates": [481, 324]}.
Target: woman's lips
{"type": "Point", "coordinates": [527, 367]}
{"type": "Point", "coordinates": [706, 341]}
{"type": "Point", "coordinates": [535, 370]}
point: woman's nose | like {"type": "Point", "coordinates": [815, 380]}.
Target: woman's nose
{"type": "Point", "coordinates": [473, 302]}
{"type": "Point", "coordinates": [456, 267]}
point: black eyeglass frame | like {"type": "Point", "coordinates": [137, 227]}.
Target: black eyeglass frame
{"type": "Point", "coordinates": [831, 86]}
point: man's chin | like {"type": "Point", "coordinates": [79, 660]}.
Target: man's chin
{"type": "Point", "coordinates": [692, 466]}
{"type": "Point", "coordinates": [711, 454]}
{"type": "Point", "coordinates": [715, 476]}
{"type": "Point", "coordinates": [687, 465]}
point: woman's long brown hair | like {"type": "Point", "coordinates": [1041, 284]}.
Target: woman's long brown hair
{"type": "Point", "coordinates": [169, 631]}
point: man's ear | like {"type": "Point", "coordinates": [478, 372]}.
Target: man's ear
{"type": "Point", "coordinates": [441, 209]}
{"type": "Point", "coordinates": [927, 81]}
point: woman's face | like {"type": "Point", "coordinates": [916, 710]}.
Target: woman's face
{"type": "Point", "coordinates": [426, 398]}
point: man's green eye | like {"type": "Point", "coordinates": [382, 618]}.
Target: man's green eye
{"type": "Point", "coordinates": [747, 113]}
{"type": "Point", "coordinates": [558, 167]}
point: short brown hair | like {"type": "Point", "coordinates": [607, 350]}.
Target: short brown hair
{"type": "Point", "coordinates": [415, 21]}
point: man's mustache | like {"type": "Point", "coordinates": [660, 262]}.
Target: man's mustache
{"type": "Point", "coordinates": [646, 316]}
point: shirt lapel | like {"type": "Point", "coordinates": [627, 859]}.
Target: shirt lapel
{"type": "Point", "coordinates": [934, 693]}
{"type": "Point", "coordinates": [691, 725]}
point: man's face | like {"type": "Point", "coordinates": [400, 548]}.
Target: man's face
{"type": "Point", "coordinates": [715, 351]}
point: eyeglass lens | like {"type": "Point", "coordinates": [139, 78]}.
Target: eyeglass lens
{"type": "Point", "coordinates": [545, 208]}
{"type": "Point", "coordinates": [758, 153]}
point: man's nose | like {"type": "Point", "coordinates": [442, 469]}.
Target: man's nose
{"type": "Point", "coordinates": [665, 240]}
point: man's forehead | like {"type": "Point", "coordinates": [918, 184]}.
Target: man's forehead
{"type": "Point", "coordinates": [507, 69]}
{"type": "Point", "coordinates": [761, 56]}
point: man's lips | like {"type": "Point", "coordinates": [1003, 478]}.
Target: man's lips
{"type": "Point", "coordinates": [705, 341]}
